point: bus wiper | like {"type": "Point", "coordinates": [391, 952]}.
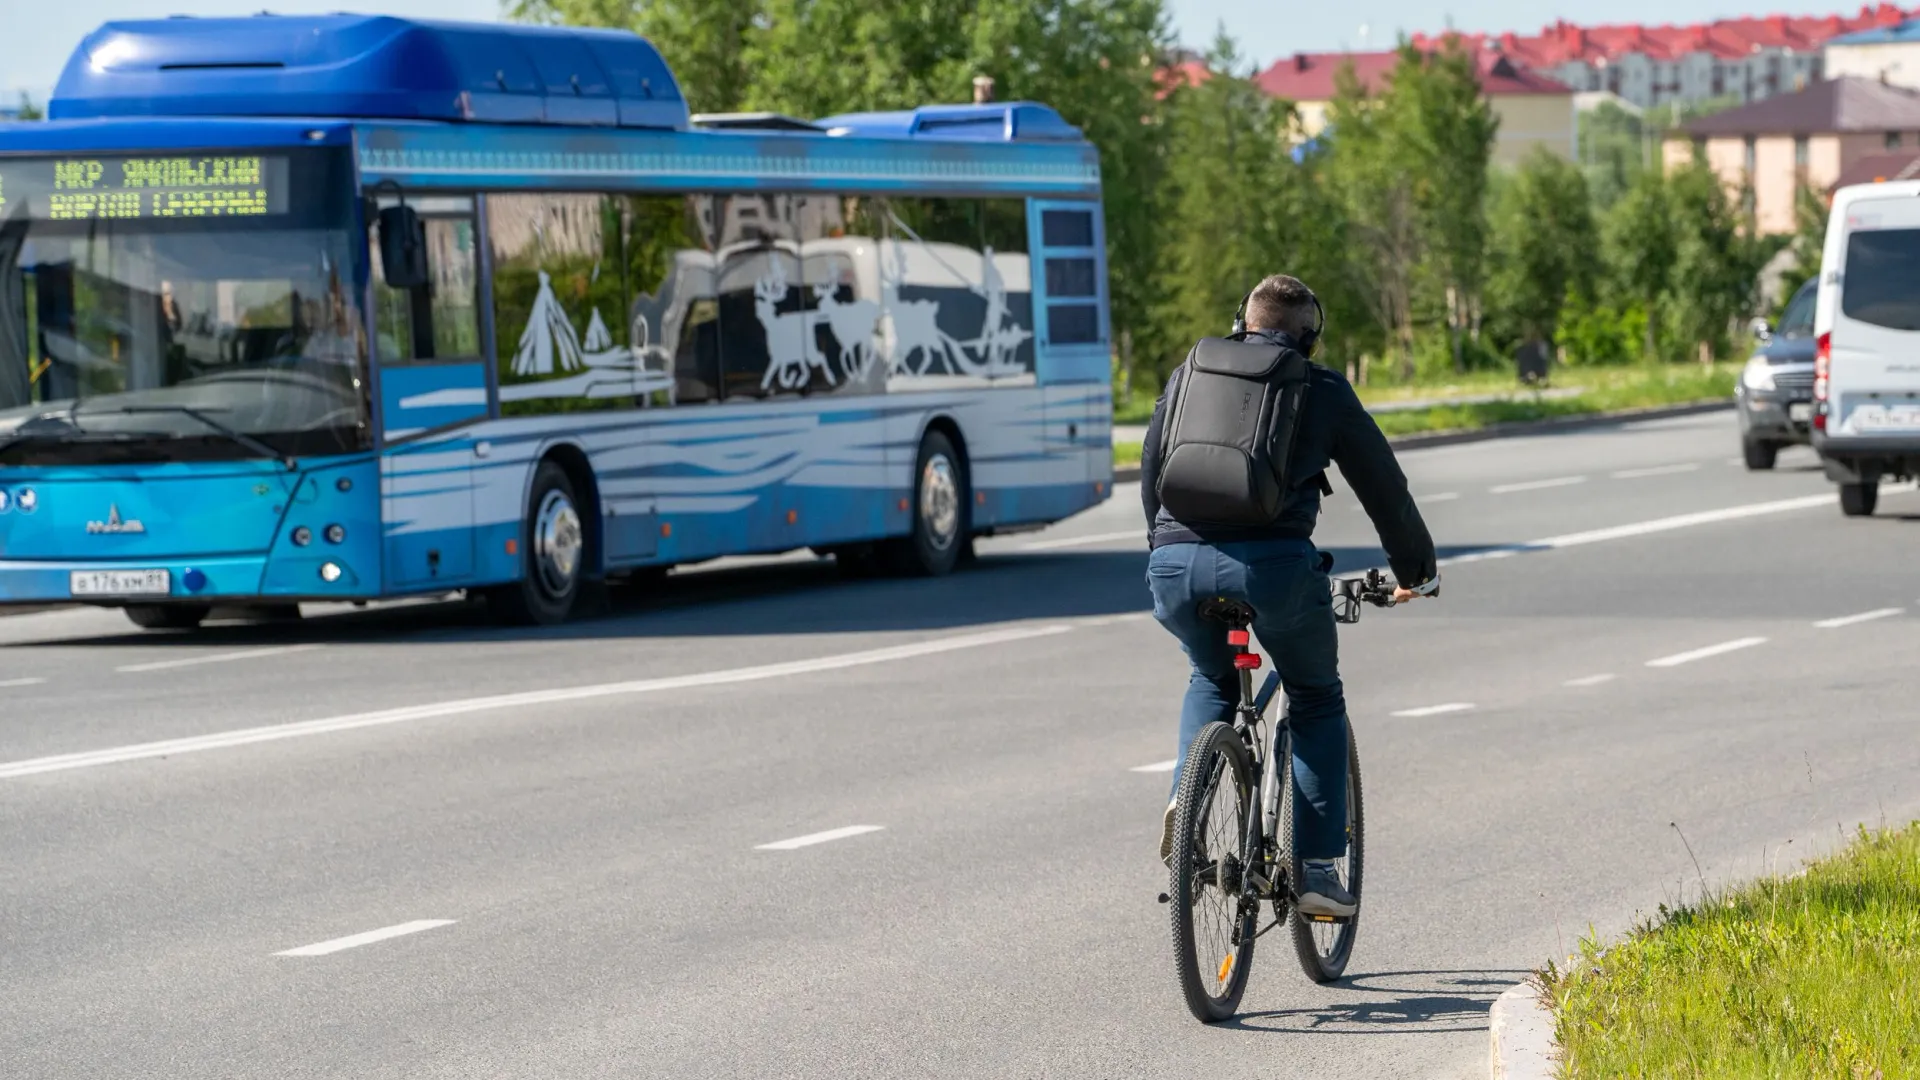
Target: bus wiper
{"type": "Point", "coordinates": [252, 443]}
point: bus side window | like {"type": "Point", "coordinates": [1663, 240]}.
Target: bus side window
{"type": "Point", "coordinates": [441, 321]}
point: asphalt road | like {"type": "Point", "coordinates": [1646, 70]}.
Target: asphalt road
{"type": "Point", "coordinates": [585, 808]}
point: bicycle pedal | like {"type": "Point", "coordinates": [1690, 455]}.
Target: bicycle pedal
{"type": "Point", "coordinates": [1336, 919]}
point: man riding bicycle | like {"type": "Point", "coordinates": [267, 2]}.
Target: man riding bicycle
{"type": "Point", "coordinates": [1232, 472]}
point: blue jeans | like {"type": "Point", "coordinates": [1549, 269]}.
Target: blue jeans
{"type": "Point", "coordinates": [1286, 582]}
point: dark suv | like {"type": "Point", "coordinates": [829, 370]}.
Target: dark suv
{"type": "Point", "coordinates": [1776, 389]}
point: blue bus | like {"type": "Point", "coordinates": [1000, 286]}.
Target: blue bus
{"type": "Point", "coordinates": [348, 308]}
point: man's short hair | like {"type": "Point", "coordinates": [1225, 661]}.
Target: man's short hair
{"type": "Point", "coordinates": [1282, 303]}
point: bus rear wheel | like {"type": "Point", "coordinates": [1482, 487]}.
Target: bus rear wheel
{"type": "Point", "coordinates": [167, 616]}
{"type": "Point", "coordinates": [941, 522]}
{"type": "Point", "coordinates": [552, 555]}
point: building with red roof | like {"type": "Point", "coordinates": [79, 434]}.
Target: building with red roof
{"type": "Point", "coordinates": [1749, 58]}
{"type": "Point", "coordinates": [1534, 110]}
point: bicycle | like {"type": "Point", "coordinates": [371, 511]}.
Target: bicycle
{"type": "Point", "coordinates": [1211, 878]}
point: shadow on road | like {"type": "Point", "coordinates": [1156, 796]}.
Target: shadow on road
{"type": "Point", "coordinates": [1436, 1002]}
{"type": "Point", "coordinates": [788, 596]}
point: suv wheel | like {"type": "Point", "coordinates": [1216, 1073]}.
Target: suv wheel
{"type": "Point", "coordinates": [1760, 454]}
{"type": "Point", "coordinates": [1857, 500]}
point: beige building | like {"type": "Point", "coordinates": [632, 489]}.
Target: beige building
{"type": "Point", "coordinates": [1533, 109]}
{"type": "Point", "coordinates": [1889, 54]}
{"type": "Point", "coordinates": [1776, 146]}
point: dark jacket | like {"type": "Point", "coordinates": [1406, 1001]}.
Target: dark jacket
{"type": "Point", "coordinates": [1335, 429]}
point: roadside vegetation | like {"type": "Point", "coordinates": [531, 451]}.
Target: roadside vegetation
{"type": "Point", "coordinates": [1815, 976]}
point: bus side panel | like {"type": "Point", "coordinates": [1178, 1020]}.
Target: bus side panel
{"type": "Point", "coordinates": [427, 514]}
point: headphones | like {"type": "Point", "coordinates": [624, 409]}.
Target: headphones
{"type": "Point", "coordinates": [1307, 340]}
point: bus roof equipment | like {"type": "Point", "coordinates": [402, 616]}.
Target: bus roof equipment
{"type": "Point", "coordinates": [369, 67]}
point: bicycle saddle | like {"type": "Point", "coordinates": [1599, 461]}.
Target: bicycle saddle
{"type": "Point", "coordinates": [1237, 613]}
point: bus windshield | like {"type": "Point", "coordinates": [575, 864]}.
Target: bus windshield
{"type": "Point", "coordinates": [196, 317]}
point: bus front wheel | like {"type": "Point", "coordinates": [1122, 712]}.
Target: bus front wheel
{"type": "Point", "coordinates": [552, 553]}
{"type": "Point", "coordinates": [941, 500]}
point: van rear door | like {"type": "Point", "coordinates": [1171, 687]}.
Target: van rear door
{"type": "Point", "coordinates": [1874, 379]}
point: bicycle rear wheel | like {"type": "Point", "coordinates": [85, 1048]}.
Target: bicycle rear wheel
{"type": "Point", "coordinates": [1324, 947]}
{"type": "Point", "coordinates": [1212, 928]}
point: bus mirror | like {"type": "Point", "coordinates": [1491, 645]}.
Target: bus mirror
{"type": "Point", "coordinates": [403, 248]}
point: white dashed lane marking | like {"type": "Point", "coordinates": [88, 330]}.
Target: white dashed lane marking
{"type": "Point", "coordinates": [1657, 470]}
{"type": "Point", "coordinates": [216, 658]}
{"type": "Point", "coordinates": [1536, 485]}
{"type": "Point", "coordinates": [1158, 766]}
{"type": "Point", "coordinates": [819, 838]}
{"type": "Point", "coordinates": [1865, 616]}
{"type": "Point", "coordinates": [354, 941]}
{"type": "Point", "coordinates": [1711, 650]}
{"type": "Point", "coordinates": [1589, 680]}
{"type": "Point", "coordinates": [6, 684]}
{"type": "Point", "coordinates": [1436, 710]}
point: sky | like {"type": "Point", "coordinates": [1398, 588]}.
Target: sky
{"type": "Point", "coordinates": [40, 34]}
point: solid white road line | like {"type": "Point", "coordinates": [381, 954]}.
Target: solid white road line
{"type": "Point", "coordinates": [1589, 680]}
{"type": "Point", "coordinates": [1865, 616]}
{"type": "Point", "coordinates": [354, 941]}
{"type": "Point", "coordinates": [1536, 485]}
{"type": "Point", "coordinates": [1436, 710]}
{"type": "Point", "coordinates": [247, 736]}
{"type": "Point", "coordinates": [1444, 496]}
{"type": "Point", "coordinates": [818, 838]}
{"type": "Point", "coordinates": [1158, 766]}
{"type": "Point", "coordinates": [1139, 534]}
{"type": "Point", "coordinates": [1712, 650]}
{"type": "Point", "coordinates": [9, 683]}
{"type": "Point", "coordinates": [1657, 470]}
{"type": "Point", "coordinates": [216, 658]}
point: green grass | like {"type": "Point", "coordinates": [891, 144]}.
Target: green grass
{"type": "Point", "coordinates": [1126, 455]}
{"type": "Point", "coordinates": [1816, 976]}
{"type": "Point", "coordinates": [1601, 390]}
{"type": "Point", "coordinates": [1136, 408]}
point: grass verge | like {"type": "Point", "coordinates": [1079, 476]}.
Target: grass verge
{"type": "Point", "coordinates": [1810, 976]}
{"type": "Point", "coordinates": [1601, 390]}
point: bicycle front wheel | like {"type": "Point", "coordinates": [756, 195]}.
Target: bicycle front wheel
{"type": "Point", "coordinates": [1213, 923]}
{"type": "Point", "coordinates": [1324, 946]}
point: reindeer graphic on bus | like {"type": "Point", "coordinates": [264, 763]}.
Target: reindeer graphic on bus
{"type": "Point", "coordinates": [834, 312]}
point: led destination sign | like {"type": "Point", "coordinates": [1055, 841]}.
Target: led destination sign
{"type": "Point", "coordinates": [133, 189]}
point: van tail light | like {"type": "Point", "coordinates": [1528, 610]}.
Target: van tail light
{"type": "Point", "coordinates": [1822, 365]}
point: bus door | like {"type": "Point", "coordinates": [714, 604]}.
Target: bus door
{"type": "Point", "coordinates": [433, 384]}
{"type": "Point", "coordinates": [1070, 318]}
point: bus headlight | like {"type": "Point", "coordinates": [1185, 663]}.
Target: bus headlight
{"type": "Point", "coordinates": [329, 572]}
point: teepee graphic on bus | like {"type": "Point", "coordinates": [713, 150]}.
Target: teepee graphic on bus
{"type": "Point", "coordinates": [599, 339]}
{"type": "Point", "coordinates": [549, 346]}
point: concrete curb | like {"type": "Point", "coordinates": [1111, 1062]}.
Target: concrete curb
{"type": "Point", "coordinates": [1522, 427]}
{"type": "Point", "coordinates": [1520, 1031]}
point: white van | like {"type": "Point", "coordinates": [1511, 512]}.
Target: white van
{"type": "Point", "coordinates": [1866, 324]}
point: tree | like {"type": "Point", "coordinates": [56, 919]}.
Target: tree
{"type": "Point", "coordinates": [1613, 147]}
{"type": "Point", "coordinates": [1234, 195]}
{"type": "Point", "coordinates": [704, 41]}
{"type": "Point", "coordinates": [1637, 237]}
{"type": "Point", "coordinates": [1373, 189]}
{"type": "Point", "coordinates": [1716, 261]}
{"type": "Point", "coordinates": [28, 110]}
{"type": "Point", "coordinates": [1809, 238]}
{"type": "Point", "coordinates": [1446, 130]}
{"type": "Point", "coordinates": [1544, 244]}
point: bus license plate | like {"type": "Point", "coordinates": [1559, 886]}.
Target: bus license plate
{"type": "Point", "coordinates": [120, 583]}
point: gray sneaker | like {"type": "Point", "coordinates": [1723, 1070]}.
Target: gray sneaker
{"type": "Point", "coordinates": [1321, 892]}
{"type": "Point", "coordinates": [1166, 835]}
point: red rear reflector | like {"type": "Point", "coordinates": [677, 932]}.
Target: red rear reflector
{"type": "Point", "coordinates": [513, 547]}
{"type": "Point", "coordinates": [1236, 637]}
{"type": "Point", "coordinates": [666, 529]}
{"type": "Point", "coordinates": [1247, 661]}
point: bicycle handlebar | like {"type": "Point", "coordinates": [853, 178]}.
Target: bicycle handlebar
{"type": "Point", "coordinates": [1375, 588]}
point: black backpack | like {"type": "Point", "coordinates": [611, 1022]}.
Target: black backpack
{"type": "Point", "coordinates": [1229, 432]}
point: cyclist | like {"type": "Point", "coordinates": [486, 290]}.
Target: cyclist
{"type": "Point", "coordinates": [1273, 565]}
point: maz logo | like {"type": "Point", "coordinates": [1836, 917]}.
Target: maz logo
{"type": "Point", "coordinates": [113, 524]}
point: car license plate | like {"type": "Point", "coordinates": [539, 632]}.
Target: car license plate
{"type": "Point", "coordinates": [120, 583]}
{"type": "Point", "coordinates": [1880, 417]}
{"type": "Point", "coordinates": [1799, 411]}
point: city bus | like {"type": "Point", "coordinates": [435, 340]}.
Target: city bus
{"type": "Point", "coordinates": [350, 308]}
